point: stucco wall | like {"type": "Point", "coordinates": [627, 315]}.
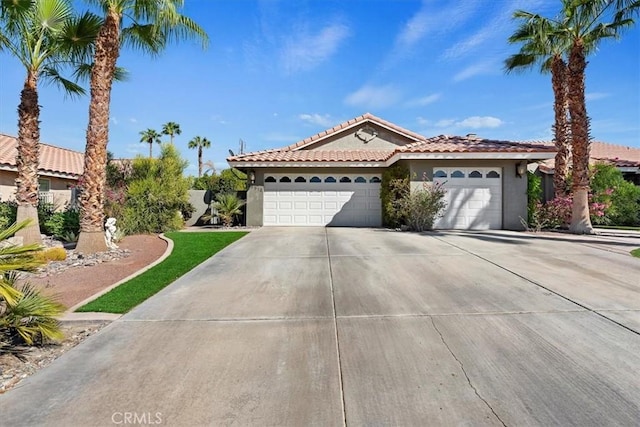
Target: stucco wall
{"type": "Point", "coordinates": [514, 189]}
{"type": "Point", "coordinates": [384, 140]}
{"type": "Point", "coordinates": [59, 188]}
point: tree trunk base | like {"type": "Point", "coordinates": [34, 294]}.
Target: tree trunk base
{"type": "Point", "coordinates": [580, 219]}
{"type": "Point", "coordinates": [31, 233]}
{"type": "Point", "coordinates": [91, 242]}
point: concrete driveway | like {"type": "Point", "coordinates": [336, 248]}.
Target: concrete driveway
{"type": "Point", "coordinates": [326, 327]}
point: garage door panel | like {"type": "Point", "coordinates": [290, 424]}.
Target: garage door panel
{"type": "Point", "coordinates": [322, 203]}
{"type": "Point", "coordinates": [473, 201]}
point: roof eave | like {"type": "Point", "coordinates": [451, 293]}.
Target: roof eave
{"type": "Point", "coordinates": [299, 164]}
{"type": "Point", "coordinates": [474, 156]}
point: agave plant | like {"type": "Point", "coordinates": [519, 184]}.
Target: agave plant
{"type": "Point", "coordinates": [228, 206]}
{"type": "Point", "coordinates": [26, 316]}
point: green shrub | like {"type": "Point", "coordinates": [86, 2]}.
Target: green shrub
{"type": "Point", "coordinates": [395, 183]}
{"type": "Point", "coordinates": [534, 196]}
{"type": "Point", "coordinates": [8, 211]}
{"type": "Point", "coordinates": [421, 207]}
{"type": "Point", "coordinates": [59, 224]}
{"type": "Point", "coordinates": [620, 198]}
{"type": "Point", "coordinates": [228, 207]}
{"type": "Point", "coordinates": [157, 198]}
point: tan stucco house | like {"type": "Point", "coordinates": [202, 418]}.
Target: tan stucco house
{"type": "Point", "coordinates": [59, 170]}
{"type": "Point", "coordinates": [333, 178]}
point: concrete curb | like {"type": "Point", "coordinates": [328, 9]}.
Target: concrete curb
{"type": "Point", "coordinates": [70, 315]}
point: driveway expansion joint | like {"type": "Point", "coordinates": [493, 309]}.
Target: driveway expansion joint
{"type": "Point", "coordinates": [475, 390]}
{"type": "Point", "coordinates": [335, 328]}
{"type": "Point", "coordinates": [540, 285]}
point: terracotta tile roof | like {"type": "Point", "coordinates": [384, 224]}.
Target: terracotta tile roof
{"type": "Point", "coordinates": [53, 160]}
{"type": "Point", "coordinates": [472, 144]}
{"type": "Point", "coordinates": [603, 151]}
{"type": "Point", "coordinates": [317, 156]}
{"type": "Point", "coordinates": [619, 155]}
{"type": "Point", "coordinates": [440, 144]}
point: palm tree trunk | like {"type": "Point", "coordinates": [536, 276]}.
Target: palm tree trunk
{"type": "Point", "coordinates": [27, 160]}
{"type": "Point", "coordinates": [199, 161]}
{"type": "Point", "coordinates": [151, 149]}
{"type": "Point", "coordinates": [580, 220]}
{"type": "Point", "coordinates": [561, 125]}
{"type": "Point", "coordinates": [107, 50]}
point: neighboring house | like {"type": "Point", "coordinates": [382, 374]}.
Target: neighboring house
{"type": "Point", "coordinates": [59, 171]}
{"type": "Point", "coordinates": [626, 159]}
{"type": "Point", "coordinates": [333, 178]}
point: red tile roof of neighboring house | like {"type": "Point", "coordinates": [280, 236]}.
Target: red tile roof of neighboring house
{"type": "Point", "coordinates": [618, 155]}
{"type": "Point", "coordinates": [53, 160]}
{"type": "Point", "coordinates": [439, 144]}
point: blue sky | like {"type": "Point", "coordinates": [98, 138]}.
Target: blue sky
{"type": "Point", "coordinates": [276, 72]}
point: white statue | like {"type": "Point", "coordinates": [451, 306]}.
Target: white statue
{"type": "Point", "coordinates": [110, 233]}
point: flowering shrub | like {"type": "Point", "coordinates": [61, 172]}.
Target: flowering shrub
{"type": "Point", "coordinates": [556, 213]}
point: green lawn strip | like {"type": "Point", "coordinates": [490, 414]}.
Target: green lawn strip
{"type": "Point", "coordinates": [636, 253]}
{"type": "Point", "coordinates": [189, 250]}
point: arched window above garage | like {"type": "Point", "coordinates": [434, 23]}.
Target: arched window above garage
{"type": "Point", "coordinates": [360, 180]}
{"type": "Point", "coordinates": [457, 174]}
{"type": "Point", "coordinates": [375, 179]}
{"type": "Point", "coordinates": [300, 179]}
{"type": "Point", "coordinates": [285, 179]}
{"type": "Point", "coordinates": [329, 179]}
{"type": "Point", "coordinates": [345, 179]}
{"type": "Point", "coordinates": [269, 179]}
{"type": "Point", "coordinates": [475, 174]}
{"type": "Point", "coordinates": [315, 179]}
{"type": "Point", "coordinates": [439, 174]}
{"type": "Point", "coordinates": [493, 174]}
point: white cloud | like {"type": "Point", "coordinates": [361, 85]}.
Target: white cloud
{"type": "Point", "coordinates": [114, 120]}
{"type": "Point", "coordinates": [479, 122]}
{"type": "Point", "coordinates": [317, 119]}
{"type": "Point", "coordinates": [473, 70]}
{"type": "Point", "coordinates": [455, 125]}
{"type": "Point", "coordinates": [428, 20]}
{"type": "Point", "coordinates": [306, 51]}
{"type": "Point", "coordinates": [444, 123]}
{"type": "Point", "coordinates": [133, 120]}
{"type": "Point", "coordinates": [373, 97]}
{"type": "Point", "coordinates": [594, 96]}
{"type": "Point", "coordinates": [425, 100]}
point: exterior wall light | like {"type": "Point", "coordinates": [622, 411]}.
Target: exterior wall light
{"type": "Point", "coordinates": [521, 169]}
{"type": "Point", "coordinates": [252, 176]}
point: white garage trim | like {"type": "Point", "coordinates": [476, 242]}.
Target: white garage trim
{"type": "Point", "coordinates": [302, 199]}
{"type": "Point", "coordinates": [474, 198]}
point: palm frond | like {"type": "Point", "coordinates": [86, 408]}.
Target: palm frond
{"type": "Point", "coordinates": [72, 89]}
{"type": "Point", "coordinates": [52, 14]}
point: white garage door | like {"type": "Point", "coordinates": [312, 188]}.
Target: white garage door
{"type": "Point", "coordinates": [322, 199]}
{"type": "Point", "coordinates": [474, 198]}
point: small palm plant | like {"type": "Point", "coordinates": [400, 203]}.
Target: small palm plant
{"type": "Point", "coordinates": [26, 316]}
{"type": "Point", "coordinates": [228, 206]}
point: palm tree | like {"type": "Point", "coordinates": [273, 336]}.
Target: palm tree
{"type": "Point", "coordinates": [541, 45]}
{"type": "Point", "coordinates": [46, 38]}
{"type": "Point", "coordinates": [150, 136]}
{"type": "Point", "coordinates": [171, 128]}
{"type": "Point", "coordinates": [145, 24]}
{"type": "Point", "coordinates": [228, 206]}
{"type": "Point", "coordinates": [199, 143]}
{"type": "Point", "coordinates": [585, 24]}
